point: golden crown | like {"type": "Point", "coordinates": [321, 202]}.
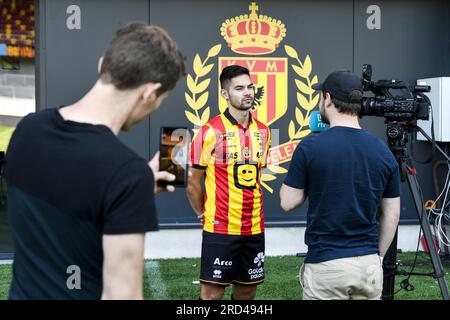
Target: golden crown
{"type": "Point", "coordinates": [253, 34]}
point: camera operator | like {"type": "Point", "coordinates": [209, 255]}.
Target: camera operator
{"type": "Point", "coordinates": [347, 175]}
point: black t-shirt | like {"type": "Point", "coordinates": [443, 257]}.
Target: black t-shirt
{"type": "Point", "coordinates": [70, 183]}
{"type": "Point", "coordinates": [345, 172]}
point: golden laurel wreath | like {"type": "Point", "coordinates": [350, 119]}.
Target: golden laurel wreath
{"type": "Point", "coordinates": [303, 70]}
{"type": "Point", "coordinates": [198, 98]}
{"type": "Point", "coordinates": [199, 94]}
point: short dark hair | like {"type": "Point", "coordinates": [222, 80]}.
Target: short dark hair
{"type": "Point", "coordinates": [353, 107]}
{"type": "Point", "coordinates": [231, 72]}
{"type": "Point", "coordinates": [140, 53]}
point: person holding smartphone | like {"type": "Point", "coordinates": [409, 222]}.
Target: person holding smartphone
{"type": "Point", "coordinates": [229, 151]}
{"type": "Point", "coordinates": [79, 200]}
{"type": "Point", "coordinates": [174, 154]}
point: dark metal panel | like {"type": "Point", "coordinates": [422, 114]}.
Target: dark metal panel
{"type": "Point", "coordinates": [68, 59]}
{"type": "Point", "coordinates": [411, 44]}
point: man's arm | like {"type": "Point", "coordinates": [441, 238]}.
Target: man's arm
{"type": "Point", "coordinates": [194, 191]}
{"type": "Point", "coordinates": [389, 217]}
{"type": "Point", "coordinates": [291, 198]}
{"type": "Point", "coordinates": [123, 266]}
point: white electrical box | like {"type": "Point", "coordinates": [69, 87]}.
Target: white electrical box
{"type": "Point", "coordinates": [440, 101]}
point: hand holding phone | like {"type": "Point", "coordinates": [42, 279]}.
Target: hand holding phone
{"type": "Point", "coordinates": [173, 155]}
{"type": "Point", "coordinates": [161, 175]}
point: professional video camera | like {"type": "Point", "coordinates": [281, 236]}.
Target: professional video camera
{"type": "Point", "coordinates": [395, 100]}
{"type": "Point", "coordinates": [401, 105]}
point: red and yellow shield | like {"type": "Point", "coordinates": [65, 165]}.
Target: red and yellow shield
{"type": "Point", "coordinates": [270, 76]}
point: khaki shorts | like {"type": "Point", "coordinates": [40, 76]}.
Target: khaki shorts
{"type": "Point", "coordinates": [343, 279]}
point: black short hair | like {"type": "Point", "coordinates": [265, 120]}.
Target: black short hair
{"type": "Point", "coordinates": [231, 72]}
{"type": "Point", "coordinates": [140, 53]}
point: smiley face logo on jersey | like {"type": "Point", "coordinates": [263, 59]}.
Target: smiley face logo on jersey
{"type": "Point", "coordinates": [245, 175]}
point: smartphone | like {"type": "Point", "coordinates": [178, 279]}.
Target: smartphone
{"type": "Point", "coordinates": [174, 154]}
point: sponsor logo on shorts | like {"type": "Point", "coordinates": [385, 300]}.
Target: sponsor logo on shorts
{"type": "Point", "coordinates": [218, 262]}
{"type": "Point", "coordinates": [257, 273]}
{"type": "Point", "coordinates": [259, 259]}
{"type": "Point", "coordinates": [217, 274]}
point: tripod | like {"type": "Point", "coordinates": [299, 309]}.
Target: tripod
{"type": "Point", "coordinates": [397, 133]}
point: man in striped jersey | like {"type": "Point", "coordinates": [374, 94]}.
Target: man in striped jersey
{"type": "Point", "coordinates": [229, 152]}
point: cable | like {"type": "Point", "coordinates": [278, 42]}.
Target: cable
{"type": "Point", "coordinates": [445, 186]}
{"type": "Point", "coordinates": [444, 154]}
{"type": "Point", "coordinates": [433, 141]}
{"type": "Point", "coordinates": [405, 284]}
{"type": "Point", "coordinates": [440, 213]}
{"type": "Point", "coordinates": [436, 179]}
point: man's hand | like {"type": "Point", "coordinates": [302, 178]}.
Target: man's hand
{"type": "Point", "coordinates": [194, 191]}
{"type": "Point", "coordinates": [160, 175]}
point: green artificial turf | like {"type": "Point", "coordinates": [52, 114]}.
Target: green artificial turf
{"type": "Point", "coordinates": [177, 279]}
{"type": "Point", "coordinates": [5, 136]}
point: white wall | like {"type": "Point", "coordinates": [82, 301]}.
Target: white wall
{"type": "Point", "coordinates": [186, 243]}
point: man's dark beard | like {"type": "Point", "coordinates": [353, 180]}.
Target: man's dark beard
{"type": "Point", "coordinates": [324, 118]}
{"type": "Point", "coordinates": [242, 107]}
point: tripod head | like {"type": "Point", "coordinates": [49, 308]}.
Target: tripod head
{"type": "Point", "coordinates": [398, 133]}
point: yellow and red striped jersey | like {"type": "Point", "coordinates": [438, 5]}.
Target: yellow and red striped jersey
{"type": "Point", "coordinates": [232, 157]}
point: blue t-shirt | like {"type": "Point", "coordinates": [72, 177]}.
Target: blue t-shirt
{"type": "Point", "coordinates": [345, 172]}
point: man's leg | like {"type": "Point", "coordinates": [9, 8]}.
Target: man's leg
{"type": "Point", "coordinates": [211, 292]}
{"type": "Point", "coordinates": [243, 292]}
{"type": "Point", "coordinates": [217, 263]}
{"type": "Point", "coordinates": [250, 267]}
{"type": "Point", "coordinates": [370, 275]}
{"type": "Point", "coordinates": [327, 280]}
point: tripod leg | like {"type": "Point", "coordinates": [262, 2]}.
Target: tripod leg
{"type": "Point", "coordinates": [435, 260]}
{"type": "Point", "coordinates": [389, 270]}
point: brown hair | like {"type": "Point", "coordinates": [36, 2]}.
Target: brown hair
{"type": "Point", "coordinates": [140, 53]}
{"type": "Point", "coordinates": [353, 107]}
